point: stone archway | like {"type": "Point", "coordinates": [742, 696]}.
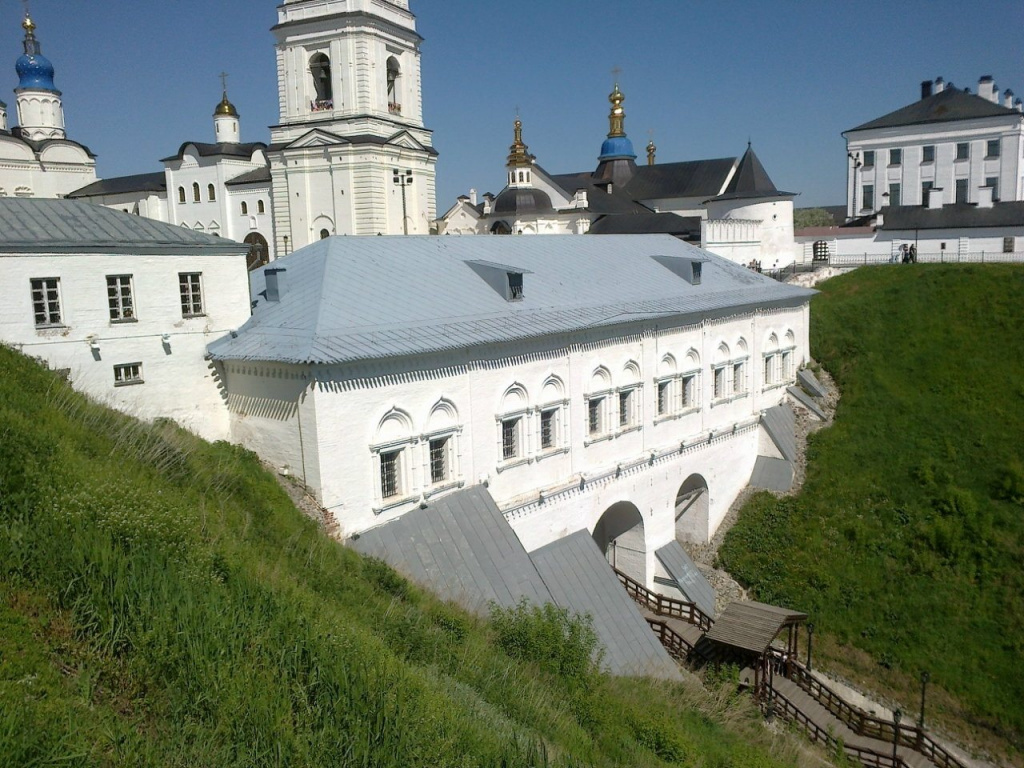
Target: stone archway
{"type": "Point", "coordinates": [620, 536]}
{"type": "Point", "coordinates": [693, 510]}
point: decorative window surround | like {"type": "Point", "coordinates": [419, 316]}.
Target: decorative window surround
{"type": "Point", "coordinates": [559, 429]}
{"type": "Point", "coordinates": [775, 373]}
{"type": "Point", "coordinates": [598, 413]}
{"type": "Point", "coordinates": [403, 478]}
{"type": "Point", "coordinates": [453, 460]}
{"type": "Point", "coordinates": [520, 438]}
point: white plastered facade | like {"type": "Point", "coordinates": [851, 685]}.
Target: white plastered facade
{"type": "Point", "coordinates": [335, 427]}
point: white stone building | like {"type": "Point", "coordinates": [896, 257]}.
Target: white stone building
{"type": "Point", "coordinates": [350, 155]}
{"type": "Point", "coordinates": [37, 159]}
{"type": "Point", "coordinates": [126, 305]}
{"type": "Point", "coordinates": [729, 206]}
{"type": "Point", "coordinates": [613, 384]}
{"type": "Point", "coordinates": [969, 146]}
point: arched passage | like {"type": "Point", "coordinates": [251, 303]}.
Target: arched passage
{"type": "Point", "coordinates": [620, 535]}
{"type": "Point", "coordinates": [693, 510]}
{"type": "Point", "coordinates": [259, 253]}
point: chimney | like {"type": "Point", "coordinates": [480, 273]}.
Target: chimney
{"type": "Point", "coordinates": [472, 197]}
{"type": "Point", "coordinates": [987, 89]}
{"type": "Point", "coordinates": [940, 85]}
{"type": "Point", "coordinates": [926, 89]}
{"type": "Point", "coordinates": [935, 197]}
{"type": "Point", "coordinates": [1008, 99]}
{"type": "Point", "coordinates": [275, 283]}
{"type": "Point", "coordinates": [1018, 105]}
{"type": "Point", "coordinates": [985, 197]}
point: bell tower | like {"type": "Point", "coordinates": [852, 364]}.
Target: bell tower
{"type": "Point", "coordinates": [351, 123]}
{"type": "Point", "coordinates": [40, 111]}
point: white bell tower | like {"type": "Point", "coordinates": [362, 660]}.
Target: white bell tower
{"type": "Point", "coordinates": [351, 154]}
{"type": "Point", "coordinates": [40, 111]}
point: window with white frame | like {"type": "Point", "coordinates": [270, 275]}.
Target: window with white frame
{"type": "Point", "coordinates": [739, 377]}
{"type": "Point", "coordinates": [440, 457]}
{"type": "Point", "coordinates": [770, 366]}
{"type": "Point", "coordinates": [720, 382]}
{"type": "Point", "coordinates": [992, 148]}
{"type": "Point", "coordinates": [595, 416]}
{"type": "Point", "coordinates": [664, 397]}
{"type": "Point", "coordinates": [120, 299]}
{"type": "Point", "coordinates": [689, 391]}
{"type": "Point", "coordinates": [628, 402]}
{"type": "Point", "coordinates": [190, 285]}
{"type": "Point", "coordinates": [786, 365]}
{"type": "Point", "coordinates": [46, 301]}
{"type": "Point", "coordinates": [895, 157]}
{"type": "Point", "coordinates": [391, 473]}
{"type": "Point", "coordinates": [127, 374]}
{"type": "Point", "coordinates": [869, 158]}
{"type": "Point", "coordinates": [512, 438]}
{"type": "Point", "coordinates": [549, 428]}
{"type": "Point", "coordinates": [928, 153]}
{"type": "Point", "coordinates": [963, 150]}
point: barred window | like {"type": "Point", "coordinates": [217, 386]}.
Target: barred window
{"type": "Point", "coordinates": [390, 478]}
{"type": "Point", "coordinates": [664, 395]}
{"type": "Point", "coordinates": [547, 428]}
{"type": "Point", "coordinates": [719, 382]}
{"type": "Point", "coordinates": [626, 408]}
{"type": "Point", "coordinates": [190, 284]}
{"type": "Point", "coordinates": [46, 301]}
{"type": "Point", "coordinates": [119, 297]}
{"type": "Point", "coordinates": [689, 391]}
{"type": "Point", "coordinates": [511, 442]}
{"type": "Point", "coordinates": [739, 376]}
{"type": "Point", "coordinates": [127, 374]}
{"type": "Point", "coordinates": [595, 423]}
{"type": "Point", "coordinates": [439, 463]}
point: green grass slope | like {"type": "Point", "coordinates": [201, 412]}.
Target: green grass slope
{"type": "Point", "coordinates": [907, 540]}
{"type": "Point", "coordinates": [162, 603]}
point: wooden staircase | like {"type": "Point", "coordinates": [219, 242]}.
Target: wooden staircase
{"type": "Point", "coordinates": [793, 693]}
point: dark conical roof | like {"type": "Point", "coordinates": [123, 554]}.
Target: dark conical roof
{"type": "Point", "coordinates": [750, 180]}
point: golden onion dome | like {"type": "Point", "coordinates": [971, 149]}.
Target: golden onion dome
{"type": "Point", "coordinates": [225, 108]}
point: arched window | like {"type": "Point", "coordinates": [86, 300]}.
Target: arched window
{"type": "Point", "coordinates": [181, 194]}
{"type": "Point", "coordinates": [245, 208]}
{"type": "Point", "coordinates": [391, 456]}
{"type": "Point", "coordinates": [195, 193]}
{"type": "Point", "coordinates": [211, 192]}
{"type": "Point", "coordinates": [324, 234]}
{"type": "Point", "coordinates": [511, 420]}
{"type": "Point", "coordinates": [394, 86]}
{"type": "Point", "coordinates": [259, 253]}
{"type": "Point", "coordinates": [320, 69]}
{"type": "Point", "coordinates": [442, 443]}
{"type": "Point", "coordinates": [260, 207]}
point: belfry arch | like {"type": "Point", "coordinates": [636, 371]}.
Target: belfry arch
{"type": "Point", "coordinates": [619, 534]}
{"type": "Point", "coordinates": [693, 509]}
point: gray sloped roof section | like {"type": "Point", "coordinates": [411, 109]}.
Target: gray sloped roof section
{"type": "Point", "coordinates": [119, 185]}
{"type": "Point", "coordinates": [946, 105]}
{"type": "Point", "coordinates": [687, 575]}
{"type": "Point", "coordinates": [357, 298]}
{"type": "Point", "coordinates": [460, 547]}
{"type": "Point", "coordinates": [581, 581]}
{"type": "Point", "coordinates": [780, 424]}
{"type": "Point", "coordinates": [809, 381]}
{"type": "Point", "coordinates": [258, 176]}
{"type": "Point", "coordinates": [806, 400]}
{"type": "Point", "coordinates": [691, 178]}
{"type": "Point", "coordinates": [953, 216]}
{"type": "Point", "coordinates": [772, 474]}
{"type": "Point", "coordinates": [32, 225]}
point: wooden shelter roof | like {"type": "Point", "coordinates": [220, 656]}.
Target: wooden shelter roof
{"type": "Point", "coordinates": [752, 626]}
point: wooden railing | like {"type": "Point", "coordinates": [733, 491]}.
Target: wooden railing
{"type": "Point", "coordinates": [786, 709]}
{"type": "Point", "coordinates": [676, 645]}
{"type": "Point", "coordinates": [864, 724]}
{"type": "Point", "coordinates": [665, 606]}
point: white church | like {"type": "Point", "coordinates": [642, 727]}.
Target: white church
{"type": "Point", "coordinates": [349, 156]}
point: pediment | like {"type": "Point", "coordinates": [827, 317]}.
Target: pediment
{"type": "Point", "coordinates": [317, 138]}
{"type": "Point", "coordinates": [406, 140]}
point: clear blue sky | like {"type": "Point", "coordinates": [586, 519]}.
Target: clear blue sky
{"type": "Point", "coordinates": [140, 76]}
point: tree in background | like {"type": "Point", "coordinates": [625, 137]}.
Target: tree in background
{"type": "Point", "coordinates": [812, 217]}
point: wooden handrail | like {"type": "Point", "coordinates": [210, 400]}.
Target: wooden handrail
{"type": "Point", "coordinates": [863, 724]}
{"type": "Point", "coordinates": [676, 645]}
{"type": "Point", "coordinates": [865, 755]}
{"type": "Point", "coordinates": [665, 606]}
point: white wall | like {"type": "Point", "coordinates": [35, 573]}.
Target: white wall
{"type": "Point", "coordinates": [349, 413]}
{"type": "Point", "coordinates": [178, 382]}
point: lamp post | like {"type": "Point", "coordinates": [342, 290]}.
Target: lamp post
{"type": "Point", "coordinates": [925, 677]}
{"type": "Point", "coordinates": [403, 179]}
{"type": "Point", "coordinates": [810, 640]}
{"type": "Point", "coordinates": [896, 717]}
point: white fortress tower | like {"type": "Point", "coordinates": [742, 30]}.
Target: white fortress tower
{"type": "Point", "coordinates": [40, 112]}
{"type": "Point", "coordinates": [350, 155]}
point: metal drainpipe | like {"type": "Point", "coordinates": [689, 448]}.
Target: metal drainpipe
{"type": "Point", "coordinates": [302, 443]}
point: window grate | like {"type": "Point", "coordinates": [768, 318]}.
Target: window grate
{"type": "Point", "coordinates": [594, 415]}
{"type": "Point", "coordinates": [625, 408]}
{"type": "Point", "coordinates": [389, 479]}
{"type": "Point", "coordinates": [46, 301]}
{"type": "Point", "coordinates": [547, 428]}
{"type": "Point", "coordinates": [510, 438]}
{"type": "Point", "coordinates": [439, 460]}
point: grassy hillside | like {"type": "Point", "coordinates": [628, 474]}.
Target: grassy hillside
{"type": "Point", "coordinates": [163, 604]}
{"type": "Point", "coordinates": [907, 540]}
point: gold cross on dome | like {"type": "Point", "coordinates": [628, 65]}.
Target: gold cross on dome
{"type": "Point", "coordinates": [616, 71]}
{"type": "Point", "coordinates": [223, 77]}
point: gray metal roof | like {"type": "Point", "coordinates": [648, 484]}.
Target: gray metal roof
{"type": "Point", "coordinates": [355, 298]}
{"type": "Point", "coordinates": [806, 401]}
{"type": "Point", "coordinates": [772, 474]}
{"type": "Point", "coordinates": [687, 575]}
{"type": "Point", "coordinates": [780, 424]}
{"type": "Point", "coordinates": [751, 180]}
{"type": "Point", "coordinates": [953, 216]}
{"type": "Point", "coordinates": [34, 225]}
{"type": "Point", "coordinates": [580, 580]}
{"type": "Point", "coordinates": [692, 178]}
{"type": "Point", "coordinates": [223, 149]}
{"type": "Point", "coordinates": [142, 182]}
{"type": "Point", "coordinates": [687, 227]}
{"type": "Point", "coordinates": [461, 548]}
{"type": "Point", "coordinates": [946, 105]}
{"type": "Point", "coordinates": [808, 381]}
{"type": "Point", "coordinates": [258, 176]}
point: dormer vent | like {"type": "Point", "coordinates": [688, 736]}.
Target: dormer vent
{"type": "Point", "coordinates": [690, 268]}
{"type": "Point", "coordinates": [507, 281]}
{"type": "Point", "coordinates": [275, 283]}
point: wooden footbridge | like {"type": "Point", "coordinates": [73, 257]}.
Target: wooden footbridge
{"type": "Point", "coordinates": [750, 635]}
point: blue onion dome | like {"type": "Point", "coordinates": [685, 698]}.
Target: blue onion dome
{"type": "Point", "coordinates": [617, 144]}
{"type": "Point", "coordinates": [35, 72]}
